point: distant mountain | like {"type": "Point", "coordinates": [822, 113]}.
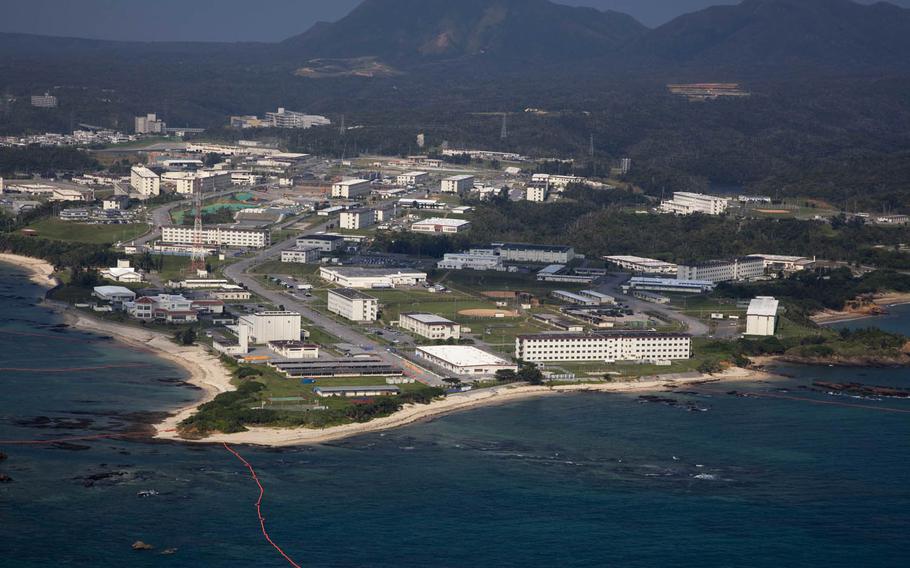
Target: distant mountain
{"type": "Point", "coordinates": [765, 34]}
{"type": "Point", "coordinates": [415, 31]}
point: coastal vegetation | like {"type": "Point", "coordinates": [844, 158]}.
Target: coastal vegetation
{"type": "Point", "coordinates": [249, 406]}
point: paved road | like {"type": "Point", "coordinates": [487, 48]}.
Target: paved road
{"type": "Point", "coordinates": [613, 286]}
{"type": "Point", "coordinates": [238, 273]}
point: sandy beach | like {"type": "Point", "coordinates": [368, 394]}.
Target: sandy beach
{"type": "Point", "coordinates": [879, 305]}
{"type": "Point", "coordinates": [40, 271]}
{"type": "Point", "coordinates": [276, 437]}
{"type": "Point", "coordinates": [205, 369]}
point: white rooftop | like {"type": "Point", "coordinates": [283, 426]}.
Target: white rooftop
{"type": "Point", "coordinates": [443, 222]}
{"type": "Point", "coordinates": [112, 290]}
{"type": "Point", "coordinates": [463, 355]}
{"type": "Point", "coordinates": [459, 178]}
{"type": "Point", "coordinates": [764, 306]}
{"type": "Point", "coordinates": [353, 182]}
{"type": "Point", "coordinates": [430, 319]}
{"type": "Point", "coordinates": [639, 260]}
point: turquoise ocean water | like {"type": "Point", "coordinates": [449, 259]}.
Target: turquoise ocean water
{"type": "Point", "coordinates": [792, 477]}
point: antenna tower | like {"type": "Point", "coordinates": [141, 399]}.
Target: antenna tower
{"type": "Point", "coordinates": [198, 254]}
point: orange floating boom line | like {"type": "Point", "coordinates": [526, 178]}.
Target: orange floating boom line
{"type": "Point", "coordinates": [265, 533]}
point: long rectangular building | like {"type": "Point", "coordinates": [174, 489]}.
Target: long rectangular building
{"type": "Point", "coordinates": [218, 236]}
{"type": "Point", "coordinates": [642, 265]}
{"type": "Point", "coordinates": [325, 368]}
{"type": "Point", "coordinates": [738, 269]}
{"type": "Point", "coordinates": [605, 346]}
{"type": "Point", "coordinates": [542, 254]}
{"type": "Point", "coordinates": [671, 285]}
{"type": "Point", "coordinates": [440, 225]}
{"type": "Point", "coordinates": [367, 278]}
{"type": "Point", "coordinates": [687, 203]}
{"type": "Point", "coordinates": [464, 360]}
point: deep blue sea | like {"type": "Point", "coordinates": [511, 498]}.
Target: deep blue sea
{"type": "Point", "coordinates": [790, 478]}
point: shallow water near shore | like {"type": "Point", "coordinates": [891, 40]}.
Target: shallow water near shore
{"type": "Point", "coordinates": [788, 477]}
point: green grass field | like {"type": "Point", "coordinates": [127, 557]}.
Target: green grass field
{"type": "Point", "coordinates": [280, 386]}
{"type": "Point", "coordinates": [58, 230]}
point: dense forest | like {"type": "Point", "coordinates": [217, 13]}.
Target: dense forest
{"type": "Point", "coordinates": [40, 160]}
{"type": "Point", "coordinates": [611, 229]}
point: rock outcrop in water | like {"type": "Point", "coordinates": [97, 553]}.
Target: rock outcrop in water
{"type": "Point", "coordinates": [4, 479]}
{"type": "Point", "coordinates": [139, 545]}
{"type": "Point", "coordinates": [859, 389]}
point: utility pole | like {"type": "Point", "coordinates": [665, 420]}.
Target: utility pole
{"type": "Point", "coordinates": [197, 262]}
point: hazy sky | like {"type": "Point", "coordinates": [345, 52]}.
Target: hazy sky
{"type": "Point", "coordinates": [240, 20]}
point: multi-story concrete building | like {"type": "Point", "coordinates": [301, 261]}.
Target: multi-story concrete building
{"type": "Point", "coordinates": [536, 193]}
{"type": "Point", "coordinates": [115, 203]}
{"type": "Point", "coordinates": [145, 182]}
{"type": "Point", "coordinates": [284, 118]}
{"type": "Point", "coordinates": [150, 124]}
{"type": "Point", "coordinates": [477, 259]}
{"type": "Point", "coordinates": [670, 285]}
{"type": "Point", "coordinates": [641, 265]}
{"type": "Point", "coordinates": [783, 263]}
{"type": "Point", "coordinates": [761, 319]}
{"type": "Point", "coordinates": [325, 243]}
{"type": "Point", "coordinates": [309, 255]}
{"type": "Point", "coordinates": [440, 225]}
{"type": "Point", "coordinates": [538, 254]}
{"type": "Point", "coordinates": [604, 346]}
{"type": "Point", "coordinates": [46, 100]}
{"type": "Point", "coordinates": [354, 219]}
{"type": "Point", "coordinates": [353, 304]}
{"type": "Point", "coordinates": [351, 189]}
{"type": "Point", "coordinates": [430, 326]}
{"type": "Point", "coordinates": [218, 236]}
{"type": "Point", "coordinates": [738, 269]}
{"type": "Point", "coordinates": [464, 361]}
{"type": "Point", "coordinates": [186, 183]}
{"type": "Point", "coordinates": [367, 278]}
{"type": "Point", "coordinates": [413, 178]}
{"type": "Point", "coordinates": [457, 184]}
{"type": "Point", "coordinates": [265, 327]}
{"type": "Point", "coordinates": [686, 203]}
